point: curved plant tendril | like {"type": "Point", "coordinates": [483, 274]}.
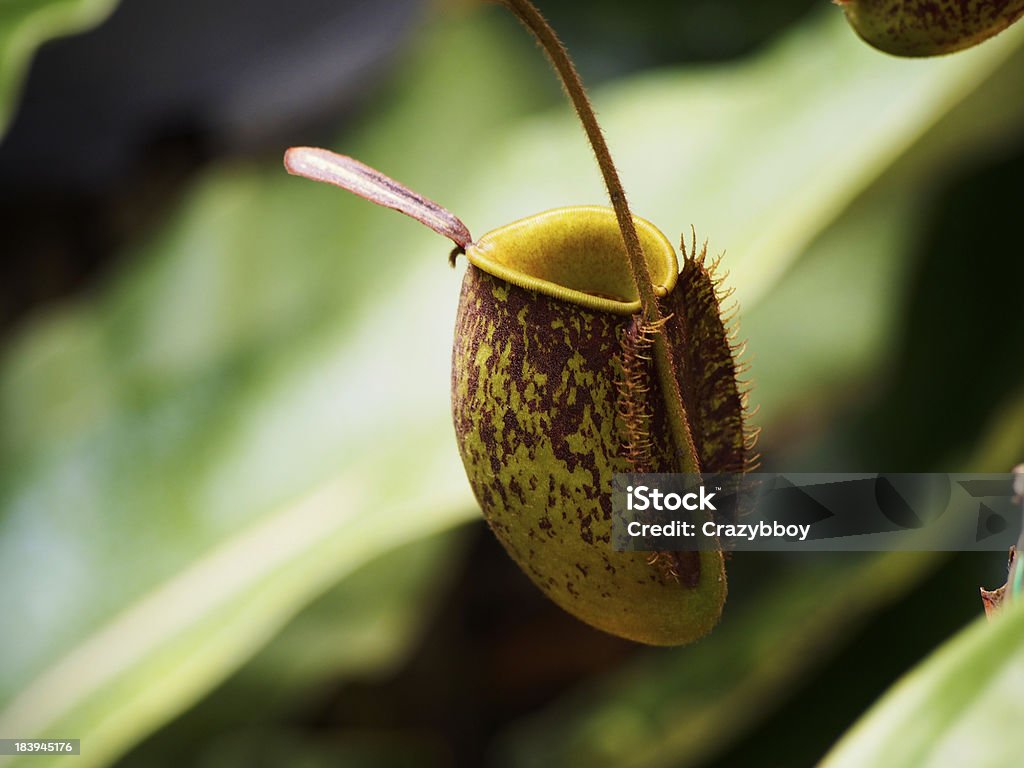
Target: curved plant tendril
{"type": "Point", "coordinates": [666, 366]}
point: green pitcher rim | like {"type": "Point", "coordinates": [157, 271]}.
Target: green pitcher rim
{"type": "Point", "coordinates": [576, 254]}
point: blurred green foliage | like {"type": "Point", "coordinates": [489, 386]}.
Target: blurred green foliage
{"type": "Point", "coordinates": [226, 477]}
{"type": "Point", "coordinates": [961, 706]}
{"type": "Point", "coordinates": [27, 24]}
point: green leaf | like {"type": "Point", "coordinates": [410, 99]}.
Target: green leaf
{"type": "Point", "coordinates": [362, 629]}
{"type": "Point", "coordinates": [27, 24]}
{"type": "Point", "coordinates": [364, 626]}
{"type": "Point", "coordinates": [961, 706]}
{"type": "Point", "coordinates": [163, 650]}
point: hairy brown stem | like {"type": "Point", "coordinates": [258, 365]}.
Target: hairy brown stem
{"type": "Point", "coordinates": [538, 26]}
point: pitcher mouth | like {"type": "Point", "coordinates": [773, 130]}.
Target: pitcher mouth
{"type": "Point", "coordinates": [576, 254]}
